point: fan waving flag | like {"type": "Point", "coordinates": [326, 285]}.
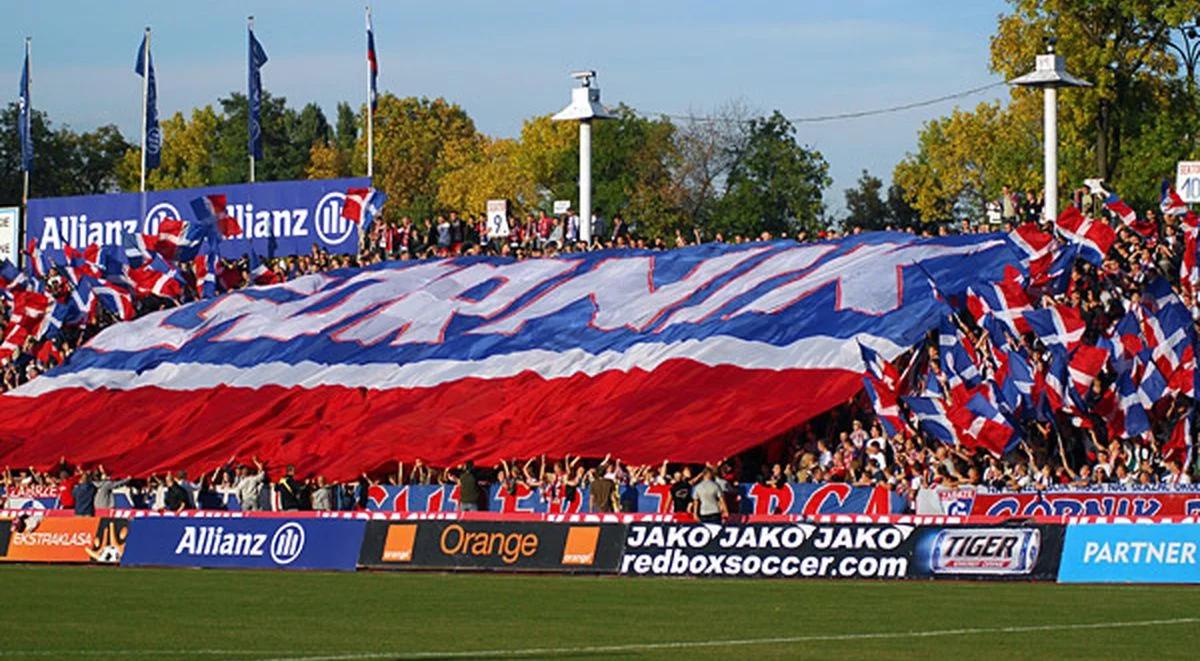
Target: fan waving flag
{"type": "Point", "coordinates": [1170, 203]}
{"type": "Point", "coordinates": [1128, 216]}
{"type": "Point", "coordinates": [355, 369]}
{"type": "Point", "coordinates": [1093, 236]}
{"type": "Point", "coordinates": [212, 216]}
{"type": "Point", "coordinates": [980, 425]}
{"type": "Point", "coordinates": [1057, 326]}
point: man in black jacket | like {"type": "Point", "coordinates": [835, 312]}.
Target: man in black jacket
{"type": "Point", "coordinates": [289, 491]}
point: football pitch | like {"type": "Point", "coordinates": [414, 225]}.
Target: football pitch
{"type": "Point", "coordinates": [100, 612]}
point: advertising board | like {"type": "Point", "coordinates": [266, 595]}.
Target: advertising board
{"type": "Point", "coordinates": [263, 543]}
{"type": "Point", "coordinates": [499, 545]}
{"type": "Point", "coordinates": [63, 539]}
{"type": "Point", "coordinates": [277, 218]}
{"type": "Point", "coordinates": [1131, 553]}
{"type": "Point", "coordinates": [804, 550]}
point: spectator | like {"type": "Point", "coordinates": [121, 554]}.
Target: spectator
{"type": "Point", "coordinates": [84, 494]}
{"type": "Point", "coordinates": [468, 488]}
{"type": "Point", "coordinates": [604, 495]}
{"type": "Point", "coordinates": [681, 493]}
{"type": "Point", "coordinates": [248, 487]}
{"type": "Point", "coordinates": [177, 497]}
{"type": "Point", "coordinates": [322, 496]}
{"type": "Point", "coordinates": [708, 502]}
{"type": "Point", "coordinates": [104, 490]}
{"type": "Point", "coordinates": [288, 490]}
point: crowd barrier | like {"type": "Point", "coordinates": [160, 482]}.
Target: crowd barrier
{"type": "Point", "coordinates": [1092, 549]}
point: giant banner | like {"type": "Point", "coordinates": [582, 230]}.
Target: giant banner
{"type": "Point", "coordinates": [692, 354]}
{"type": "Point", "coordinates": [277, 218]}
{"type": "Point", "coordinates": [1124, 502]}
{"type": "Point", "coordinates": [256, 543]}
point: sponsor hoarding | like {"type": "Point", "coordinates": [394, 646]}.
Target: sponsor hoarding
{"type": "Point", "coordinates": [63, 539]}
{"type": "Point", "coordinates": [266, 543]}
{"type": "Point", "coordinates": [1025, 551]}
{"type": "Point", "coordinates": [804, 550]}
{"type": "Point", "coordinates": [1131, 553]}
{"type": "Point", "coordinates": [512, 546]}
{"type": "Point", "coordinates": [279, 218]}
{"type": "Point", "coordinates": [1097, 502]}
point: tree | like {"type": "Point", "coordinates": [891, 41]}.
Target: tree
{"type": "Point", "coordinates": [775, 184]}
{"type": "Point", "coordinates": [706, 151]}
{"type": "Point", "coordinates": [286, 142]}
{"type": "Point", "coordinates": [188, 154]}
{"type": "Point", "coordinates": [1118, 45]}
{"type": "Point", "coordinates": [65, 162]}
{"type": "Point", "coordinates": [411, 136]}
{"type": "Point", "coordinates": [326, 161]}
{"type": "Point", "coordinates": [865, 207]}
{"type": "Point", "coordinates": [964, 160]}
{"type": "Point", "coordinates": [479, 169]}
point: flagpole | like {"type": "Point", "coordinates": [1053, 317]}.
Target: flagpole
{"type": "Point", "coordinates": [370, 112]}
{"type": "Point", "coordinates": [23, 226]}
{"type": "Point", "coordinates": [28, 131]}
{"type": "Point", "coordinates": [250, 24]}
{"type": "Point", "coordinates": [145, 98]}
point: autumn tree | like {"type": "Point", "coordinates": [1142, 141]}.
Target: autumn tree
{"type": "Point", "coordinates": [411, 137]}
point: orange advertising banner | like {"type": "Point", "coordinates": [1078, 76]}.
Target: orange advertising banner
{"type": "Point", "coordinates": [53, 539]}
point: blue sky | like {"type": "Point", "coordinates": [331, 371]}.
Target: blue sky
{"type": "Point", "coordinates": [504, 61]}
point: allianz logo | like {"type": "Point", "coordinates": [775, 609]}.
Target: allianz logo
{"type": "Point", "coordinates": [284, 546]}
{"type": "Point", "coordinates": [325, 218]}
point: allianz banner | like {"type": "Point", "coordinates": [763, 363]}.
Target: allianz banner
{"type": "Point", "coordinates": [804, 550]}
{"type": "Point", "coordinates": [279, 218]}
{"type": "Point", "coordinates": [502, 545]}
{"type": "Point", "coordinates": [259, 543]}
{"type": "Point", "coordinates": [1131, 553]}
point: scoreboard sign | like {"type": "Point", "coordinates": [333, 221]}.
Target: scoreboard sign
{"type": "Point", "coordinates": [1187, 181]}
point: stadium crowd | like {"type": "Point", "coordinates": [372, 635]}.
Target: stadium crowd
{"type": "Point", "coordinates": [1103, 395]}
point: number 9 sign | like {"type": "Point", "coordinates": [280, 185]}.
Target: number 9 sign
{"type": "Point", "coordinates": [497, 218]}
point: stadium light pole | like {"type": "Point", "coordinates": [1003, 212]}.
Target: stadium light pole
{"type": "Point", "coordinates": [584, 107]}
{"type": "Point", "coordinates": [1049, 74]}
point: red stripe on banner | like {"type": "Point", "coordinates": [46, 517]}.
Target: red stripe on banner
{"type": "Point", "coordinates": [682, 411]}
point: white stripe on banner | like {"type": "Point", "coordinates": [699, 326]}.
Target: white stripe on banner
{"type": "Point", "coordinates": [809, 353]}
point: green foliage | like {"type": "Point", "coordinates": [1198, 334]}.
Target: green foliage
{"type": "Point", "coordinates": [65, 162]}
{"type": "Point", "coordinates": [775, 184]}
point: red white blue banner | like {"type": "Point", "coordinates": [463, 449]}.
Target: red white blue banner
{"type": "Point", "coordinates": [692, 354]}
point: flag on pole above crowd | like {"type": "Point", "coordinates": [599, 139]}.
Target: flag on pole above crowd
{"type": "Point", "coordinates": [372, 93]}
{"type": "Point", "coordinates": [25, 116]}
{"type": "Point", "coordinates": [151, 135]}
{"type": "Point", "coordinates": [257, 58]}
{"type": "Point", "coordinates": [372, 62]}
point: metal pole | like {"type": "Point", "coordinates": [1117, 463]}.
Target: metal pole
{"type": "Point", "coordinates": [24, 225]}
{"type": "Point", "coordinates": [370, 114]}
{"type": "Point", "coordinates": [1050, 122]}
{"type": "Point", "coordinates": [145, 96]}
{"type": "Point", "coordinates": [585, 181]}
{"type": "Point", "coordinates": [250, 24]}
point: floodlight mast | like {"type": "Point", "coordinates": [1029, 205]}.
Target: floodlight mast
{"type": "Point", "coordinates": [1050, 74]}
{"type": "Point", "coordinates": [584, 107]}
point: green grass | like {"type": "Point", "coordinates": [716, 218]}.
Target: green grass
{"type": "Point", "coordinates": [98, 612]}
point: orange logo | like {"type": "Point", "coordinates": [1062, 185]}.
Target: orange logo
{"type": "Point", "coordinates": [398, 547]}
{"type": "Point", "coordinates": [580, 548]}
